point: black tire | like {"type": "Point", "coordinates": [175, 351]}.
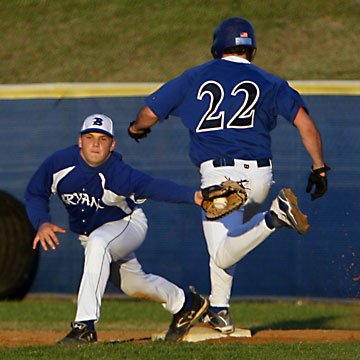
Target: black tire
{"type": "Point", "coordinates": [18, 261]}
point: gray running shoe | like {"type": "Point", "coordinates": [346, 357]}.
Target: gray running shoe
{"type": "Point", "coordinates": [220, 321]}
{"type": "Point", "coordinates": [285, 212]}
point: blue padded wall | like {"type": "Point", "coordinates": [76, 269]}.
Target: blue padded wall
{"type": "Point", "coordinates": [323, 263]}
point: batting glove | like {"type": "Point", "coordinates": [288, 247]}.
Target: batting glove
{"type": "Point", "coordinates": [319, 181]}
{"type": "Point", "coordinates": [138, 136]}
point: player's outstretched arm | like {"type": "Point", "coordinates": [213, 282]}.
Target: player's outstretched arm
{"type": "Point", "coordinates": [47, 235]}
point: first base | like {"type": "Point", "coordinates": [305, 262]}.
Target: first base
{"type": "Point", "coordinates": [201, 333]}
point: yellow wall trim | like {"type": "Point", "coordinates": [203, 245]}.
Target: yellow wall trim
{"type": "Point", "coordinates": [88, 90]}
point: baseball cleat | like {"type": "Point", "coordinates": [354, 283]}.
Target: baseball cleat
{"type": "Point", "coordinates": [183, 319]}
{"type": "Point", "coordinates": [80, 334]}
{"type": "Point", "coordinates": [220, 321]}
{"type": "Point", "coordinates": [285, 212]}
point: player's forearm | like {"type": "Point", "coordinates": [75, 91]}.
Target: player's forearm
{"type": "Point", "coordinates": [313, 145]}
{"type": "Point", "coordinates": [145, 119]}
{"type": "Point", "coordinates": [310, 137]}
{"type": "Point", "coordinates": [38, 213]}
{"type": "Point", "coordinates": [37, 205]}
{"type": "Point", "coordinates": [168, 191]}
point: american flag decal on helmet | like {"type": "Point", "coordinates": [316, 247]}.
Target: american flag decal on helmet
{"type": "Point", "coordinates": [243, 39]}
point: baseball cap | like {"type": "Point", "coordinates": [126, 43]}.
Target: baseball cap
{"type": "Point", "coordinates": [98, 123]}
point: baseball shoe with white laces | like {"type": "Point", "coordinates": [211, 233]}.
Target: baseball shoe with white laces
{"type": "Point", "coordinates": [80, 334]}
{"type": "Point", "coordinates": [286, 213]}
{"type": "Point", "coordinates": [186, 317]}
{"type": "Point", "coordinates": [219, 320]}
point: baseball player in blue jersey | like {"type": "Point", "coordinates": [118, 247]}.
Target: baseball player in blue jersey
{"type": "Point", "coordinates": [230, 107]}
{"type": "Point", "coordinates": [101, 195]}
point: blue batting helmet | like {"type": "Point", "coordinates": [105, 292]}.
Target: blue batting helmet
{"type": "Point", "coordinates": [234, 31]}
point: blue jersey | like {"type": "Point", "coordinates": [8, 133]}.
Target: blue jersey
{"type": "Point", "coordinates": [94, 196]}
{"type": "Point", "coordinates": [229, 107]}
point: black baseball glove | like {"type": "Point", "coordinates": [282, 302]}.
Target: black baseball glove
{"type": "Point", "coordinates": [138, 136]}
{"type": "Point", "coordinates": [319, 181]}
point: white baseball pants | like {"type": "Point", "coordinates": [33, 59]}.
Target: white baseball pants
{"type": "Point", "coordinates": [116, 242]}
{"type": "Point", "coordinates": [231, 238]}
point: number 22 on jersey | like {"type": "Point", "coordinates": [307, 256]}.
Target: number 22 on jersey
{"type": "Point", "coordinates": [243, 117]}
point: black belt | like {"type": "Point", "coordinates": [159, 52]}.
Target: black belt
{"type": "Point", "coordinates": [231, 162]}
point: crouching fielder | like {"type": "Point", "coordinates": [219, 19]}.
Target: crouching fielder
{"type": "Point", "coordinates": [101, 195]}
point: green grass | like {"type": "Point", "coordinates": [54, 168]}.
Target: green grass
{"type": "Point", "coordinates": [141, 315]}
{"type": "Point", "coordinates": [44, 41]}
{"type": "Point", "coordinates": [208, 351]}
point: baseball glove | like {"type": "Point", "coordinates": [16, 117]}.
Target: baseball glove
{"type": "Point", "coordinates": [221, 200]}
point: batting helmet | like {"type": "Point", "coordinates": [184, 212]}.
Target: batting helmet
{"type": "Point", "coordinates": [232, 32]}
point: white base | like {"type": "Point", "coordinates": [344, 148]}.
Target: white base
{"type": "Point", "coordinates": [198, 333]}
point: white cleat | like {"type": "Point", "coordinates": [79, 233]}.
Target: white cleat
{"type": "Point", "coordinates": [286, 213]}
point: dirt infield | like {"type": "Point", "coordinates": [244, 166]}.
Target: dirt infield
{"type": "Point", "coordinates": [17, 338]}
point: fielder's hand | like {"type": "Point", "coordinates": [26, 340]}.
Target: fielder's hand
{"type": "Point", "coordinates": [319, 181]}
{"type": "Point", "coordinates": [47, 234]}
{"type": "Point", "coordinates": [137, 134]}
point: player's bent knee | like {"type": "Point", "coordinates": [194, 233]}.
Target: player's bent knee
{"type": "Point", "coordinates": [224, 261]}
{"type": "Point", "coordinates": [133, 284]}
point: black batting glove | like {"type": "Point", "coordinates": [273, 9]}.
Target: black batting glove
{"type": "Point", "coordinates": [138, 136]}
{"type": "Point", "coordinates": [319, 181]}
